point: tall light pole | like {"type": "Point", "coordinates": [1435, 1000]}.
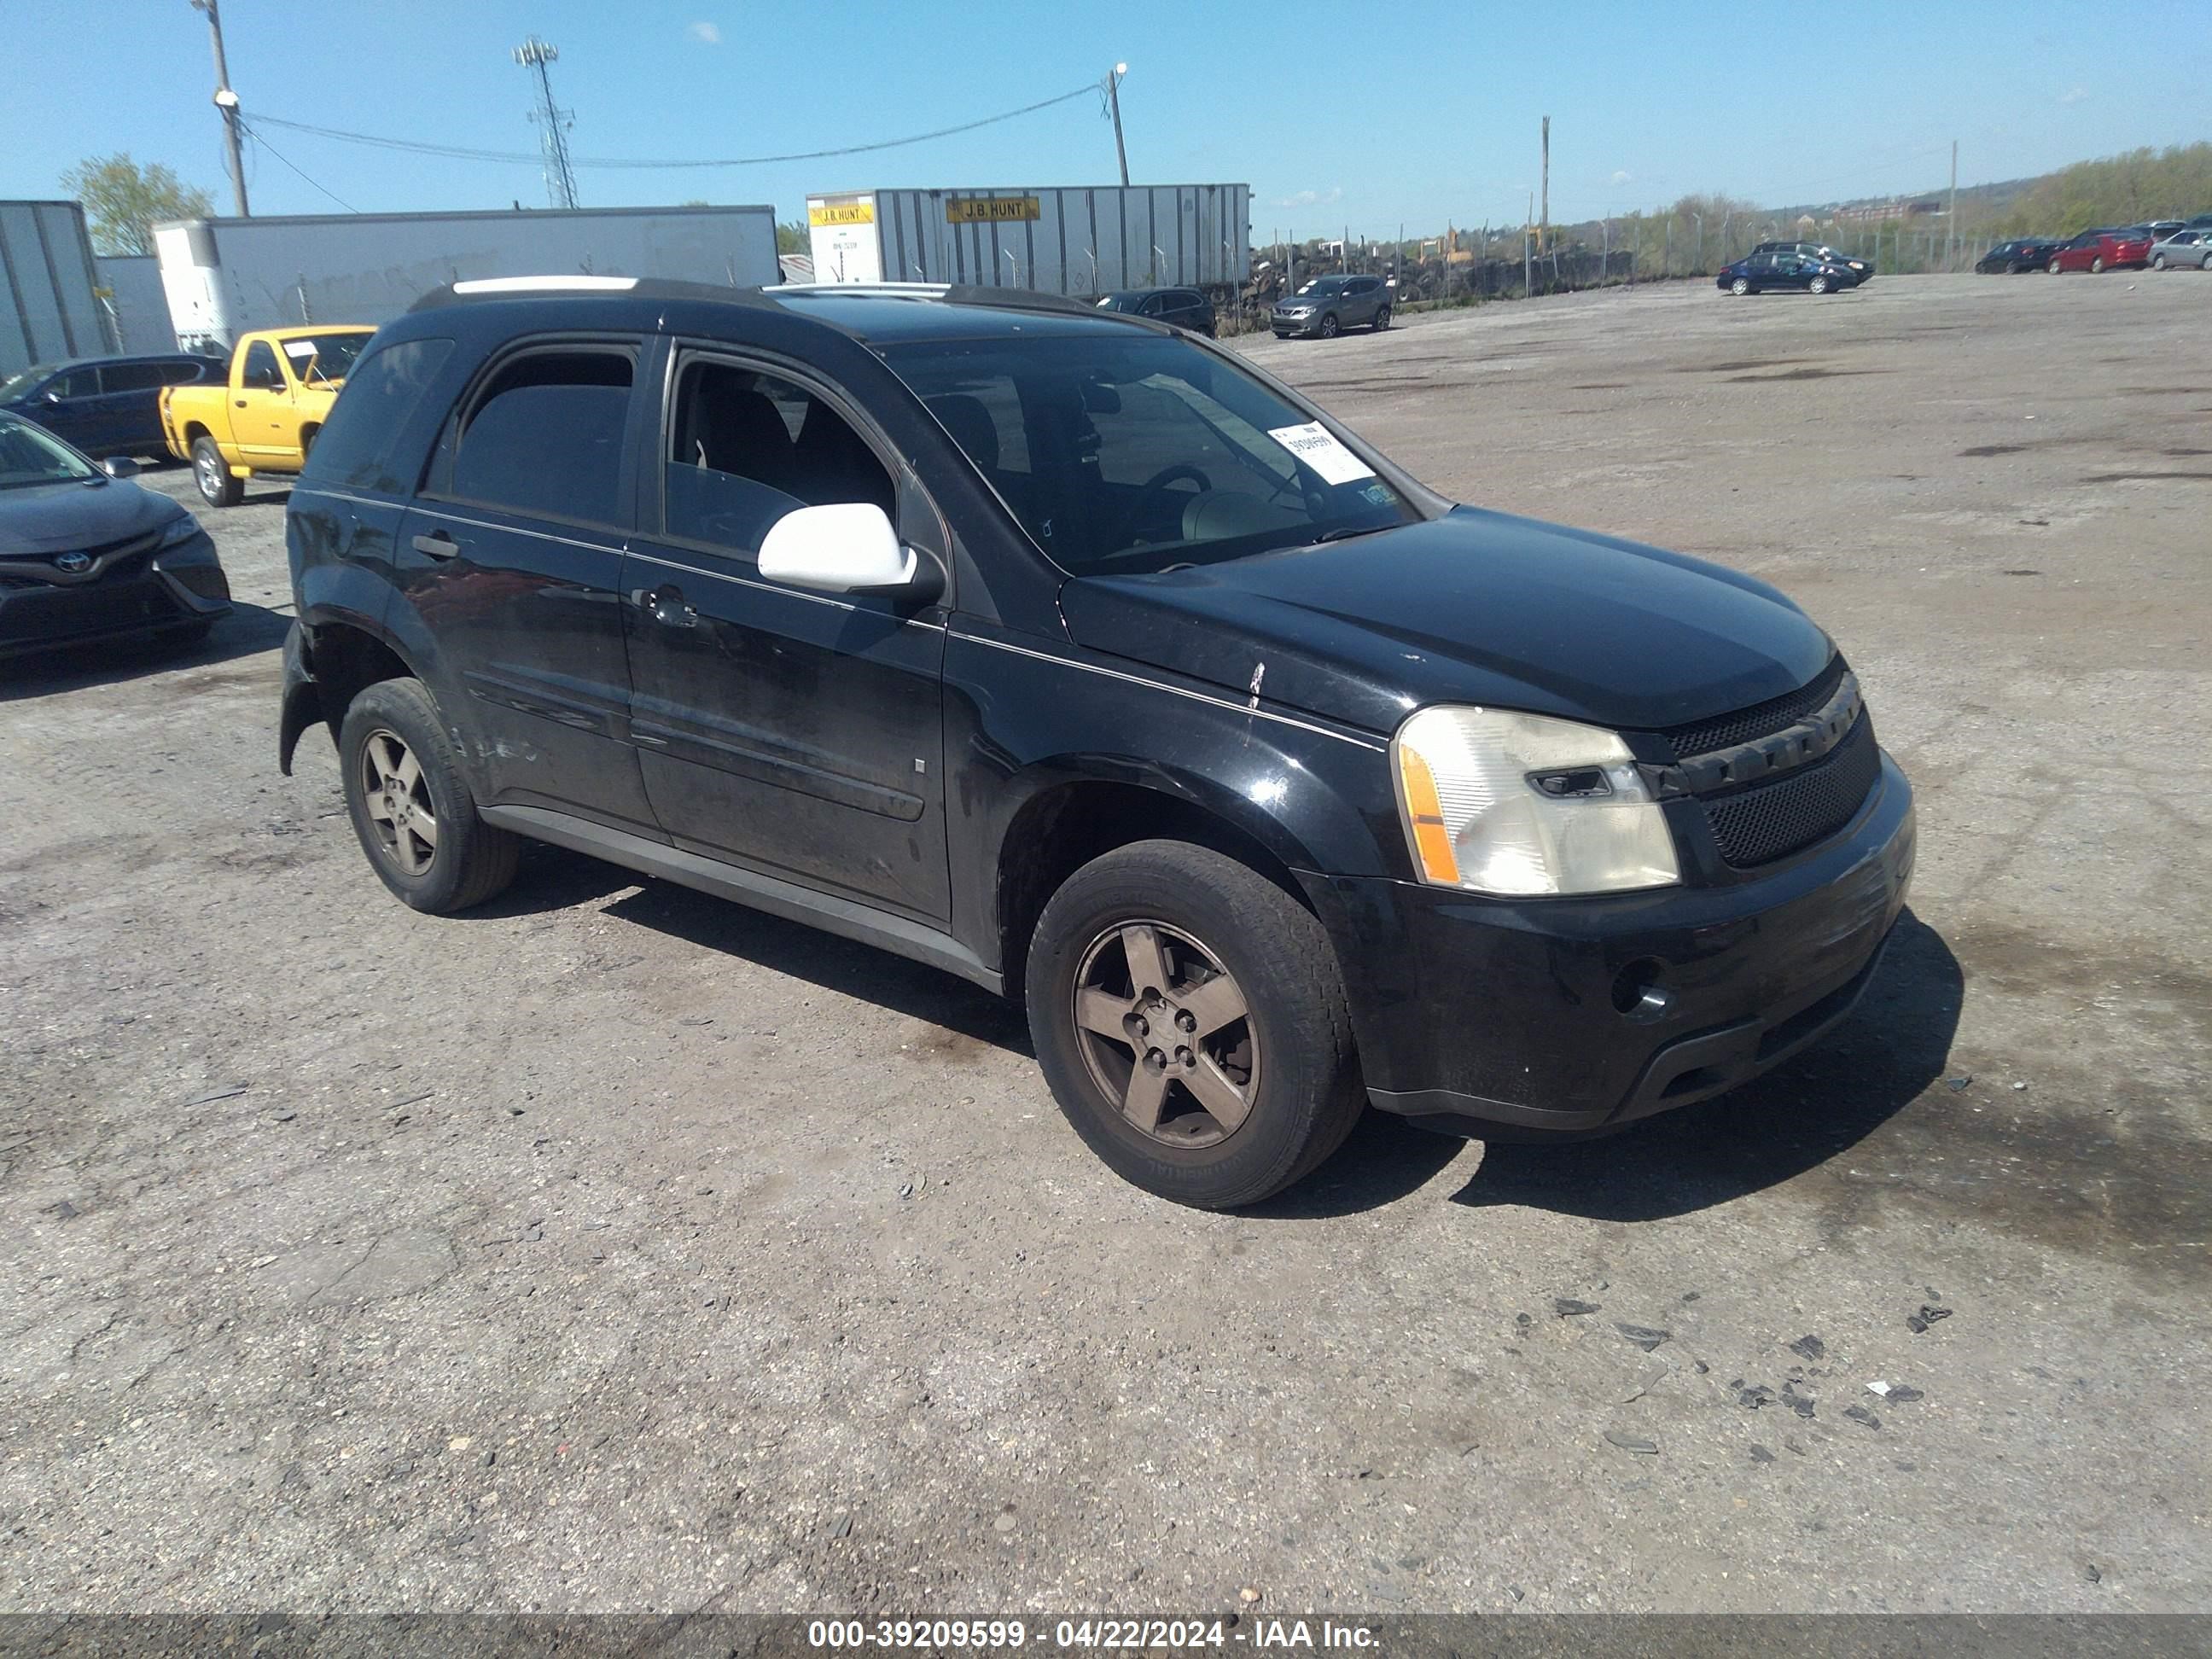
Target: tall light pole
{"type": "Point", "coordinates": [560, 177]}
{"type": "Point", "coordinates": [1114, 99]}
{"type": "Point", "coordinates": [227, 102]}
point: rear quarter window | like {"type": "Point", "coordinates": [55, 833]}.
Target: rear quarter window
{"type": "Point", "coordinates": [358, 445]}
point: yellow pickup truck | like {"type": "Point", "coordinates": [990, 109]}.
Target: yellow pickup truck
{"type": "Point", "coordinates": [264, 416]}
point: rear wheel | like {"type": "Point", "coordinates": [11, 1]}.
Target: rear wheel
{"type": "Point", "coordinates": [410, 807]}
{"type": "Point", "coordinates": [1739, 287]}
{"type": "Point", "coordinates": [1383, 319]}
{"type": "Point", "coordinates": [1188, 1014]}
{"type": "Point", "coordinates": [212, 474]}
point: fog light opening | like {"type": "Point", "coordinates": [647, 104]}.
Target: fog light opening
{"type": "Point", "coordinates": [1637, 993]}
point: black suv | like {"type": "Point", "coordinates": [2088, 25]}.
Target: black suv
{"type": "Point", "coordinates": [1072, 654]}
{"type": "Point", "coordinates": [1185, 307]}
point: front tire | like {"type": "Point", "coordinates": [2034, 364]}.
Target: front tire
{"type": "Point", "coordinates": [410, 807]}
{"type": "Point", "coordinates": [2159, 263]}
{"type": "Point", "coordinates": [1329, 326]}
{"type": "Point", "coordinates": [2058, 269]}
{"type": "Point", "coordinates": [2097, 266]}
{"type": "Point", "coordinates": [1190, 1018]}
{"type": "Point", "coordinates": [212, 474]}
{"type": "Point", "coordinates": [1818, 285]}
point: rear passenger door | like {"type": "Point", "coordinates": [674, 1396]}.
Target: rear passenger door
{"type": "Point", "coordinates": [512, 559]}
{"type": "Point", "coordinates": [131, 409]}
{"type": "Point", "coordinates": [795, 732]}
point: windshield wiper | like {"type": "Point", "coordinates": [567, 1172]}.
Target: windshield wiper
{"type": "Point", "coordinates": [1345, 533]}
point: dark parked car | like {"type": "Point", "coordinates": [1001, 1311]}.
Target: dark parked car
{"type": "Point", "coordinates": [2160, 229]}
{"type": "Point", "coordinates": [1328, 304]}
{"type": "Point", "coordinates": [1184, 307]}
{"type": "Point", "coordinates": [105, 405]}
{"type": "Point", "coordinates": [1069, 653]}
{"type": "Point", "coordinates": [85, 554]}
{"type": "Point", "coordinates": [1755, 273]}
{"type": "Point", "coordinates": [2101, 250]}
{"type": "Point", "coordinates": [1861, 270]}
{"type": "Point", "coordinates": [2010, 258]}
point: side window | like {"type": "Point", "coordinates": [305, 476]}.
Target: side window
{"type": "Point", "coordinates": [1153, 306]}
{"type": "Point", "coordinates": [545, 436]}
{"type": "Point", "coordinates": [77, 383]}
{"type": "Point", "coordinates": [130, 377]}
{"type": "Point", "coordinates": [746, 447]}
{"type": "Point", "coordinates": [184, 372]}
{"type": "Point", "coordinates": [261, 372]}
{"type": "Point", "coordinates": [354, 450]}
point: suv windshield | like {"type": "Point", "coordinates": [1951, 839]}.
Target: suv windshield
{"type": "Point", "coordinates": [1136, 454]}
{"type": "Point", "coordinates": [317, 358]}
{"type": "Point", "coordinates": [28, 456]}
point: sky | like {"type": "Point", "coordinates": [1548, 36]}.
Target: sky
{"type": "Point", "coordinates": [1337, 114]}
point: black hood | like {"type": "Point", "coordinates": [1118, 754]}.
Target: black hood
{"type": "Point", "coordinates": [57, 517]}
{"type": "Point", "coordinates": [1474, 607]}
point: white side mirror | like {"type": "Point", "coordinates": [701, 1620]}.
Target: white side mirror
{"type": "Point", "coordinates": [845, 547]}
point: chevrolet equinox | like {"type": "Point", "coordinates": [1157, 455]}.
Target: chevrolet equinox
{"type": "Point", "coordinates": [1075, 656]}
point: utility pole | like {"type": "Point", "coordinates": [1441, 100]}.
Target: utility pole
{"type": "Point", "coordinates": [1528, 260]}
{"type": "Point", "coordinates": [227, 102]}
{"type": "Point", "coordinates": [553, 137]}
{"type": "Point", "coordinates": [1950, 248]}
{"type": "Point", "coordinates": [1113, 98]}
{"type": "Point", "coordinates": [1544, 234]}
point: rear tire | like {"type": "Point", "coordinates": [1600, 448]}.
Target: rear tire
{"type": "Point", "coordinates": [1286, 1058]}
{"type": "Point", "coordinates": [413, 809]}
{"type": "Point", "coordinates": [212, 474]}
{"type": "Point", "coordinates": [1383, 319]}
{"type": "Point", "coordinates": [1740, 287]}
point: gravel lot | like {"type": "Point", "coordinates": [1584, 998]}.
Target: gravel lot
{"type": "Point", "coordinates": [616, 1248]}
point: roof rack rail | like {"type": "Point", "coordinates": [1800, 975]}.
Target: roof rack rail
{"type": "Point", "coordinates": [958, 294]}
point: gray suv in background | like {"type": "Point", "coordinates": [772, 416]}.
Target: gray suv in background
{"type": "Point", "coordinates": [1328, 305]}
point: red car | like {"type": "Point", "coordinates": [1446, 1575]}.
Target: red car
{"type": "Point", "coordinates": [2101, 250]}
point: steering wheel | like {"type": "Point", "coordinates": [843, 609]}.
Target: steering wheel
{"type": "Point", "coordinates": [1158, 484]}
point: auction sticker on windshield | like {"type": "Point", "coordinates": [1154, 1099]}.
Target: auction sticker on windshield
{"type": "Point", "coordinates": [1316, 446]}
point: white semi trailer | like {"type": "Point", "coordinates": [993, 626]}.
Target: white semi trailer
{"type": "Point", "coordinates": [224, 277]}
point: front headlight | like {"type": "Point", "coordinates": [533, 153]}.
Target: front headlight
{"type": "Point", "coordinates": [178, 531]}
{"type": "Point", "coordinates": [1524, 805]}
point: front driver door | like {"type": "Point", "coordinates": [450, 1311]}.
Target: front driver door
{"type": "Point", "coordinates": [795, 732]}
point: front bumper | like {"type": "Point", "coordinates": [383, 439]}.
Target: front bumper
{"type": "Point", "coordinates": [1569, 1016]}
{"type": "Point", "coordinates": [1289, 325]}
{"type": "Point", "coordinates": [140, 593]}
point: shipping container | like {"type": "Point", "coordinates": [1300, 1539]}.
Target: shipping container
{"type": "Point", "coordinates": [131, 293]}
{"type": "Point", "coordinates": [224, 277]}
{"type": "Point", "coordinates": [48, 309]}
{"type": "Point", "coordinates": [1081, 240]}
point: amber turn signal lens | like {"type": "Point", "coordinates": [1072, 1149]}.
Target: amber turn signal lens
{"type": "Point", "coordinates": [1425, 811]}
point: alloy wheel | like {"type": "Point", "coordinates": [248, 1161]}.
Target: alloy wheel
{"type": "Point", "coordinates": [398, 802]}
{"type": "Point", "coordinates": [210, 475]}
{"type": "Point", "coordinates": [1739, 287]}
{"type": "Point", "coordinates": [1166, 1034]}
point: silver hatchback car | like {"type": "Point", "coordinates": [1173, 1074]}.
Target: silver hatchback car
{"type": "Point", "coordinates": [1328, 305]}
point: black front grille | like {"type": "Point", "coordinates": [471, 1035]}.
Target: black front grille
{"type": "Point", "coordinates": [1768, 821]}
{"type": "Point", "coordinates": [1761, 720]}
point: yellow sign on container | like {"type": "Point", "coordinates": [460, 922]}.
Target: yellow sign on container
{"type": "Point", "coordinates": [990, 209]}
{"type": "Point", "coordinates": [841, 213]}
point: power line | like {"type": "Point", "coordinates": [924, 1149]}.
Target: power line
{"type": "Point", "coordinates": [260, 142]}
{"type": "Point", "coordinates": [464, 153]}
